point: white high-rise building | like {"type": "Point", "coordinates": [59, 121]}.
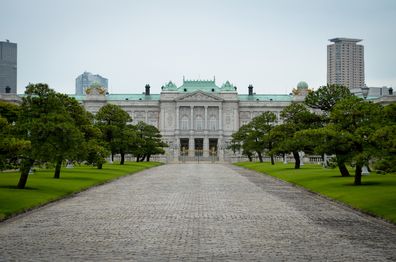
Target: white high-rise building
{"type": "Point", "coordinates": [345, 63]}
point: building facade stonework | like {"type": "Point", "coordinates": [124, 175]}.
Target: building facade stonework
{"type": "Point", "coordinates": [197, 118]}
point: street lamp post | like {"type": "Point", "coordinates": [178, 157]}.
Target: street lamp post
{"type": "Point", "coordinates": [365, 91]}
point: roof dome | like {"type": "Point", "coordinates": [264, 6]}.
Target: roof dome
{"type": "Point", "coordinates": [302, 85]}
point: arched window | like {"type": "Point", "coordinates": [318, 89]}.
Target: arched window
{"type": "Point", "coordinates": [184, 123]}
{"type": "Point", "coordinates": [212, 122]}
{"type": "Point", "coordinates": [199, 123]}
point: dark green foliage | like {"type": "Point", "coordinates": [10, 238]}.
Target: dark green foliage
{"type": "Point", "coordinates": [112, 121]}
{"type": "Point", "coordinates": [11, 147]}
{"type": "Point", "coordinates": [141, 140]}
{"type": "Point", "coordinates": [56, 127]}
{"type": "Point", "coordinates": [148, 142]}
{"type": "Point", "coordinates": [9, 111]}
{"type": "Point", "coordinates": [326, 97]}
{"type": "Point", "coordinates": [296, 117]}
{"type": "Point", "coordinates": [96, 153]}
{"type": "Point", "coordinates": [255, 137]}
{"type": "Point", "coordinates": [356, 120]}
{"type": "Point", "coordinates": [384, 139]}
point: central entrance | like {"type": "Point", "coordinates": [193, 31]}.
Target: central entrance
{"type": "Point", "coordinates": [184, 146]}
{"type": "Point", "coordinates": [199, 149]}
{"type": "Point", "coordinates": [198, 146]}
{"type": "Point", "coordinates": [212, 147]}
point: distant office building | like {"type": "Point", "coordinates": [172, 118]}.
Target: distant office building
{"type": "Point", "coordinates": [87, 79]}
{"type": "Point", "coordinates": [8, 67]}
{"type": "Point", "coordinates": [345, 63]}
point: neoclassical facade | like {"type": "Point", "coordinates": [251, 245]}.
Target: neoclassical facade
{"type": "Point", "coordinates": [197, 118]}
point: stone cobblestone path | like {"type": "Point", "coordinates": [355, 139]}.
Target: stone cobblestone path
{"type": "Point", "coordinates": [196, 212]}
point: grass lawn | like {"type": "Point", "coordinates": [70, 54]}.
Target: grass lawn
{"type": "Point", "coordinates": [376, 195]}
{"type": "Point", "coordinates": [42, 188]}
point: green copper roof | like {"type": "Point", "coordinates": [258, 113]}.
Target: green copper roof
{"type": "Point", "coordinates": [268, 97]}
{"type": "Point", "coordinates": [302, 85]}
{"type": "Point", "coordinates": [170, 86]}
{"type": "Point", "coordinates": [201, 85]}
{"type": "Point", "coordinates": [118, 97]}
{"type": "Point", "coordinates": [133, 97]}
{"type": "Point", "coordinates": [190, 86]}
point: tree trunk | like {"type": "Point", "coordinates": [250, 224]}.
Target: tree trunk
{"type": "Point", "coordinates": [271, 155]}
{"type": "Point", "coordinates": [26, 164]}
{"type": "Point", "coordinates": [358, 175]}
{"type": "Point", "coordinates": [250, 158]}
{"type": "Point", "coordinates": [272, 160]}
{"type": "Point", "coordinates": [297, 160]}
{"type": "Point", "coordinates": [137, 158]}
{"type": "Point", "coordinates": [148, 158]}
{"type": "Point", "coordinates": [58, 169]}
{"type": "Point", "coordinates": [341, 166]}
{"type": "Point", "coordinates": [122, 158]}
{"type": "Point", "coordinates": [100, 166]}
{"type": "Point", "coordinates": [260, 156]}
{"type": "Point", "coordinates": [112, 157]}
{"type": "Point", "coordinates": [143, 157]}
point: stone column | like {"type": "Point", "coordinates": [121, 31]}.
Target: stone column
{"type": "Point", "coordinates": [206, 117]}
{"type": "Point", "coordinates": [177, 117]}
{"type": "Point", "coordinates": [206, 147]}
{"type": "Point", "coordinates": [220, 149]}
{"type": "Point", "coordinates": [236, 119]}
{"type": "Point", "coordinates": [191, 145]}
{"type": "Point", "coordinates": [146, 118]}
{"type": "Point", "coordinates": [162, 119]}
{"type": "Point", "coordinates": [220, 118]}
{"type": "Point", "coordinates": [192, 117]}
{"type": "Point", "coordinates": [176, 148]}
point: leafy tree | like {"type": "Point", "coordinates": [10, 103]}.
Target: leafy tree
{"type": "Point", "coordinates": [356, 120]}
{"type": "Point", "coordinates": [11, 147]}
{"type": "Point", "coordinates": [39, 101]}
{"type": "Point", "coordinates": [112, 121]}
{"type": "Point", "coordinates": [296, 117]}
{"type": "Point", "coordinates": [46, 120]}
{"type": "Point", "coordinates": [255, 137]}
{"type": "Point", "coordinates": [9, 111]}
{"type": "Point", "coordinates": [148, 142]}
{"type": "Point", "coordinates": [127, 141]}
{"type": "Point", "coordinates": [260, 134]}
{"type": "Point", "coordinates": [384, 139]}
{"type": "Point", "coordinates": [95, 153]}
{"type": "Point", "coordinates": [326, 97]}
{"type": "Point", "coordinates": [66, 136]}
{"type": "Point", "coordinates": [240, 141]}
{"type": "Point", "coordinates": [328, 140]}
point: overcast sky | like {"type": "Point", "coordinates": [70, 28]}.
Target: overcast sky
{"type": "Point", "coordinates": [270, 44]}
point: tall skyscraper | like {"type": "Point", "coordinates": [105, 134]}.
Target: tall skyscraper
{"type": "Point", "coordinates": [8, 67]}
{"type": "Point", "coordinates": [345, 63]}
{"type": "Point", "coordinates": [86, 79]}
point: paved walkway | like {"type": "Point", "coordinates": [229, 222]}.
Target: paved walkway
{"type": "Point", "coordinates": [191, 212]}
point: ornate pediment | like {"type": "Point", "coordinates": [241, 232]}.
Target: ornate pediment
{"type": "Point", "coordinates": [198, 96]}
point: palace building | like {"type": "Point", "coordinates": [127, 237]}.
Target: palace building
{"type": "Point", "coordinates": [197, 118]}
